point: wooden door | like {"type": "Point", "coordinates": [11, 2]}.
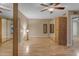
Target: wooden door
{"type": "Point", "coordinates": [63, 31]}
{"type": "Point", "coordinates": [61, 34]}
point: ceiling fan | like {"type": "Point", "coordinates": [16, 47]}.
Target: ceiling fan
{"type": "Point", "coordinates": [51, 7]}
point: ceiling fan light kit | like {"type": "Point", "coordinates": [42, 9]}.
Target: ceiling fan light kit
{"type": "Point", "coordinates": [51, 9]}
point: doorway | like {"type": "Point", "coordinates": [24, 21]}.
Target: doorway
{"type": "Point", "coordinates": [75, 19]}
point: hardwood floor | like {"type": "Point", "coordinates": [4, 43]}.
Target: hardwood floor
{"type": "Point", "coordinates": [6, 49]}
{"type": "Point", "coordinates": [39, 47]}
{"type": "Point", "coordinates": [43, 47]}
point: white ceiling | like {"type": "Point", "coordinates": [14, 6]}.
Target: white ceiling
{"type": "Point", "coordinates": [32, 10]}
{"type": "Point", "coordinates": [6, 13]}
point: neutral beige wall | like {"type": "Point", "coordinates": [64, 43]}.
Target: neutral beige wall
{"type": "Point", "coordinates": [36, 27]}
{"type": "Point", "coordinates": [52, 35]}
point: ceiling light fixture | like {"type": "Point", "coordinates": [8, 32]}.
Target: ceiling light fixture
{"type": "Point", "coordinates": [50, 9]}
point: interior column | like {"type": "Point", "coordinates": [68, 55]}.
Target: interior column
{"type": "Point", "coordinates": [15, 32]}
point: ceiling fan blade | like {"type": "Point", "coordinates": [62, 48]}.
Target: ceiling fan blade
{"type": "Point", "coordinates": [60, 8]}
{"type": "Point", "coordinates": [51, 3]}
{"type": "Point", "coordinates": [43, 10]}
{"type": "Point", "coordinates": [55, 4]}
{"type": "Point", "coordinates": [44, 5]}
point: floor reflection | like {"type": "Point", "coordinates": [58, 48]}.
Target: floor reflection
{"type": "Point", "coordinates": [27, 49]}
